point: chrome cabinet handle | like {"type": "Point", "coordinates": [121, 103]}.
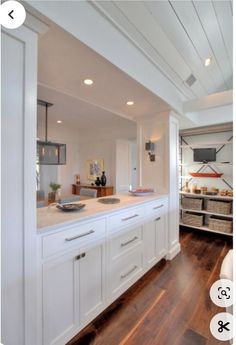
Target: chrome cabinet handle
{"type": "Point", "coordinates": [78, 236]}
{"type": "Point", "coordinates": [156, 207]}
{"type": "Point", "coordinates": [125, 243]}
{"type": "Point", "coordinates": [129, 272]}
{"type": "Point", "coordinates": [158, 218]}
{"type": "Point", "coordinates": [134, 216]}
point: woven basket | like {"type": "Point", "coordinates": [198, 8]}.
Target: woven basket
{"type": "Point", "coordinates": [192, 219]}
{"type": "Point", "coordinates": [223, 207]}
{"type": "Point", "coordinates": [219, 224]}
{"type": "Point", "coordinates": [192, 204]}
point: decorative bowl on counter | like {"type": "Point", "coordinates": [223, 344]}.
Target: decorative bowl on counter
{"type": "Point", "coordinates": [141, 191]}
{"type": "Point", "coordinates": [70, 207]}
{"type": "Point", "coordinates": [109, 200]}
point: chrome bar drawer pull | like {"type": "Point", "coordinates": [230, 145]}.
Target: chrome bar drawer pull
{"type": "Point", "coordinates": [78, 236]}
{"type": "Point", "coordinates": [156, 207]}
{"type": "Point", "coordinates": [128, 218]}
{"type": "Point", "coordinates": [129, 272]}
{"type": "Point", "coordinates": [128, 242]}
{"type": "Point", "coordinates": [158, 218]}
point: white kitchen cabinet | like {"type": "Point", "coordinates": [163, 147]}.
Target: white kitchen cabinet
{"type": "Point", "coordinates": [92, 282]}
{"type": "Point", "coordinates": [156, 235]}
{"type": "Point", "coordinates": [60, 298]}
{"type": "Point", "coordinates": [73, 292]}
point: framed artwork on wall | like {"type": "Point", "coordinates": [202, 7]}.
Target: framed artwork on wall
{"type": "Point", "coordinates": [94, 168]}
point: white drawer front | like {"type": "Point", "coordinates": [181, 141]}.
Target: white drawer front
{"type": "Point", "coordinates": [121, 244]}
{"type": "Point", "coordinates": [73, 236]}
{"type": "Point", "coordinates": [156, 208]}
{"type": "Point", "coordinates": [125, 271]}
{"type": "Point", "coordinates": [125, 219]}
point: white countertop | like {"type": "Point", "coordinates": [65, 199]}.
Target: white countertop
{"type": "Point", "coordinates": [50, 217]}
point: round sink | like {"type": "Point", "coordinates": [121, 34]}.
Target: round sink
{"type": "Point", "coordinates": [109, 200]}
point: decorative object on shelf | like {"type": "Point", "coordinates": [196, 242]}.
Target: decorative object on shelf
{"type": "Point", "coordinates": [197, 191]}
{"type": "Point", "coordinates": [203, 189]}
{"type": "Point", "coordinates": [70, 207]}
{"type": "Point", "coordinates": [94, 168]}
{"type": "Point", "coordinates": [186, 188]}
{"type": "Point", "coordinates": [97, 181]}
{"type": "Point", "coordinates": [193, 188]}
{"type": "Point", "coordinates": [77, 179]}
{"type": "Point", "coordinates": [141, 191]}
{"type": "Point", "coordinates": [49, 153]}
{"type": "Point", "coordinates": [200, 174]}
{"type": "Point", "coordinates": [103, 179]}
{"type": "Point", "coordinates": [150, 147]}
{"type": "Point", "coordinates": [109, 200]}
{"type": "Point", "coordinates": [53, 195]}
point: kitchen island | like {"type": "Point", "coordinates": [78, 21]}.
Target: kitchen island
{"type": "Point", "coordinates": [87, 259]}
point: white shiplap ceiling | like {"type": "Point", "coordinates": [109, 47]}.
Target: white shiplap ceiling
{"type": "Point", "coordinates": [178, 36]}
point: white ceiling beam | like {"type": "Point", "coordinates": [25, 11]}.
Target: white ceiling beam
{"type": "Point", "coordinates": [211, 101]}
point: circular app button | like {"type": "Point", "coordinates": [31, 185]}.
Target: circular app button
{"type": "Point", "coordinates": [221, 293]}
{"type": "Point", "coordinates": [221, 326]}
{"type": "Point", "coordinates": [12, 14]}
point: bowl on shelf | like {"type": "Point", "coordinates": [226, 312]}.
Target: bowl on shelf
{"type": "Point", "coordinates": [199, 174]}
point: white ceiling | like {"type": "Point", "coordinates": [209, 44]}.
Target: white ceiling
{"type": "Point", "coordinates": [175, 36]}
{"type": "Point", "coordinates": [178, 36]}
{"type": "Point", "coordinates": [75, 113]}
{"type": "Point", "coordinates": [64, 62]}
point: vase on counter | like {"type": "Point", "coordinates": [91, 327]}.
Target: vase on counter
{"type": "Point", "coordinates": [97, 181]}
{"type": "Point", "coordinates": [103, 179]}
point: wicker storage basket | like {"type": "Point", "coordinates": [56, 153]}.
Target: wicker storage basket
{"type": "Point", "coordinates": [192, 219]}
{"type": "Point", "coordinates": [219, 224]}
{"type": "Point", "coordinates": [192, 204]}
{"type": "Point", "coordinates": [223, 207]}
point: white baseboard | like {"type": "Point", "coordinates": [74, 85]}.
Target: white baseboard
{"type": "Point", "coordinates": [173, 251]}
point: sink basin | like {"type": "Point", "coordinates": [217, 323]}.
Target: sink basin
{"type": "Point", "coordinates": [109, 200]}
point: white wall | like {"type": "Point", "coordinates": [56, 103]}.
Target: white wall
{"type": "Point", "coordinates": [153, 174]}
{"type": "Point", "coordinates": [81, 146]}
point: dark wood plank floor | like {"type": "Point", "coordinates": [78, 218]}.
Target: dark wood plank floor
{"type": "Point", "coordinates": [170, 305]}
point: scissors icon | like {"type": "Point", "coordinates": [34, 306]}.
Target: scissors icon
{"type": "Point", "coordinates": [223, 326]}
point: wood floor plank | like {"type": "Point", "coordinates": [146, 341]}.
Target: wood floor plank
{"type": "Point", "coordinates": [170, 305]}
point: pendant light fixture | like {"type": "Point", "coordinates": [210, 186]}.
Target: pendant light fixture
{"type": "Point", "coordinates": [49, 153]}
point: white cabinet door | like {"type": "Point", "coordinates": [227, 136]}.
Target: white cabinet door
{"type": "Point", "coordinates": [155, 240]}
{"type": "Point", "coordinates": [60, 299]}
{"type": "Point", "coordinates": [92, 282]}
{"type": "Point", "coordinates": [149, 237]}
{"type": "Point", "coordinates": [161, 236]}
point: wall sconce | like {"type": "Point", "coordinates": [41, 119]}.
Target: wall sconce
{"type": "Point", "coordinates": [149, 146]}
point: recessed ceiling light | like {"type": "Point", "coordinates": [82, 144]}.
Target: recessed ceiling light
{"type": "Point", "coordinates": [59, 121]}
{"type": "Point", "coordinates": [88, 81]}
{"type": "Point", "coordinates": [208, 62]}
{"type": "Point", "coordinates": [130, 103]}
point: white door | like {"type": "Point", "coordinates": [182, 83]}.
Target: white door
{"type": "Point", "coordinates": [60, 299]}
{"type": "Point", "coordinates": [92, 282]}
{"type": "Point", "coordinates": [123, 166]}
